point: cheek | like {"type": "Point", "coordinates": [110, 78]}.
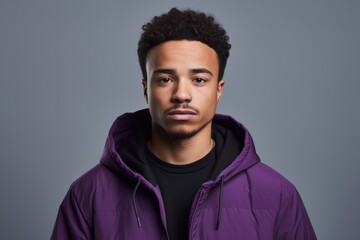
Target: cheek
{"type": "Point", "coordinates": [208, 104]}
{"type": "Point", "coordinates": [152, 94]}
{"type": "Point", "coordinates": [211, 96]}
{"type": "Point", "coordinates": [213, 102]}
{"type": "Point", "coordinates": [157, 101]}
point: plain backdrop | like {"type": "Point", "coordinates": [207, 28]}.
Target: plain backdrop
{"type": "Point", "coordinates": [69, 68]}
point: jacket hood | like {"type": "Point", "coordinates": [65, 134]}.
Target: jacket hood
{"type": "Point", "coordinates": [244, 198]}
{"type": "Point", "coordinates": [125, 147]}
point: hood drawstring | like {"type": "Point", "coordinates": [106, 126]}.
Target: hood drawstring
{"type": "Point", "coordinates": [134, 201]}
{"type": "Point", "coordinates": [250, 197]}
{"type": "Point", "coordinates": [251, 204]}
{"type": "Point", "coordinates": [220, 205]}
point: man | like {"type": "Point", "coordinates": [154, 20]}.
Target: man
{"type": "Point", "coordinates": [177, 170]}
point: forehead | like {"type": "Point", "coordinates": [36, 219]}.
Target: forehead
{"type": "Point", "coordinates": [181, 53]}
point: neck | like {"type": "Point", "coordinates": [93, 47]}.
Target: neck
{"type": "Point", "coordinates": [181, 150]}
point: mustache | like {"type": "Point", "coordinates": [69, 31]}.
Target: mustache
{"type": "Point", "coordinates": [181, 106]}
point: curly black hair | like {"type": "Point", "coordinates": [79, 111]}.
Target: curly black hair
{"type": "Point", "coordinates": [184, 25]}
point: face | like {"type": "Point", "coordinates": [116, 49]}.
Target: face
{"type": "Point", "coordinates": [182, 89]}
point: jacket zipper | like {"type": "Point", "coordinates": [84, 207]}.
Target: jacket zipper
{"type": "Point", "coordinates": [162, 211]}
{"type": "Point", "coordinates": [195, 207]}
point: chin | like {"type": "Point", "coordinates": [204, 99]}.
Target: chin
{"type": "Point", "coordinates": [182, 134]}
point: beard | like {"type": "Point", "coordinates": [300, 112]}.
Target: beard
{"type": "Point", "coordinates": [184, 134]}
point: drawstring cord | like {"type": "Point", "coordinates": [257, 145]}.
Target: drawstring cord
{"type": "Point", "coordinates": [251, 204]}
{"type": "Point", "coordinates": [220, 205]}
{"type": "Point", "coordinates": [219, 212]}
{"type": "Point", "coordinates": [250, 197]}
{"type": "Point", "coordinates": [134, 202]}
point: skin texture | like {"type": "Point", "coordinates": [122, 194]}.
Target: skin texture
{"type": "Point", "coordinates": [182, 92]}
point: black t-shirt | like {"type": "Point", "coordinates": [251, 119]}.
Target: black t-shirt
{"type": "Point", "coordinates": [178, 185]}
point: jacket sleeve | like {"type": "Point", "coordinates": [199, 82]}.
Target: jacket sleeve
{"type": "Point", "coordinates": [293, 222]}
{"type": "Point", "coordinates": [71, 222]}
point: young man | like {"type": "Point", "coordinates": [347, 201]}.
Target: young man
{"type": "Point", "coordinates": [178, 170]}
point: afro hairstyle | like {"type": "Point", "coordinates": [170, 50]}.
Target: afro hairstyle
{"type": "Point", "coordinates": [184, 25]}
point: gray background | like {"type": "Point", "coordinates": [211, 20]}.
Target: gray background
{"type": "Point", "coordinates": [68, 68]}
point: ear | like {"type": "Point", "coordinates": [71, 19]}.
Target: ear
{"type": "Point", "coordinates": [220, 87]}
{"type": "Point", "coordinates": [144, 83]}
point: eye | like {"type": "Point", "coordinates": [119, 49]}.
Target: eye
{"type": "Point", "coordinates": [199, 81]}
{"type": "Point", "coordinates": [164, 80]}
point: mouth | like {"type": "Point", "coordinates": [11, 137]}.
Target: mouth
{"type": "Point", "coordinates": [181, 115]}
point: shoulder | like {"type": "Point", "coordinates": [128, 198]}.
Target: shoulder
{"type": "Point", "coordinates": [99, 189]}
{"type": "Point", "coordinates": [267, 184]}
{"type": "Point", "coordinates": [96, 182]}
{"type": "Point", "coordinates": [272, 190]}
{"type": "Point", "coordinates": [265, 176]}
{"type": "Point", "coordinates": [90, 179]}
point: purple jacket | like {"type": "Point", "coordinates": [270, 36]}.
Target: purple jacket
{"type": "Point", "coordinates": [246, 200]}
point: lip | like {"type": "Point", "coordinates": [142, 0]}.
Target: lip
{"type": "Point", "coordinates": [177, 111]}
{"type": "Point", "coordinates": [181, 115]}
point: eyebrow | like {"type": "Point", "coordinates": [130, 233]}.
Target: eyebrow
{"type": "Point", "coordinates": [165, 70]}
{"type": "Point", "coordinates": [200, 70]}
{"type": "Point", "coordinates": [173, 71]}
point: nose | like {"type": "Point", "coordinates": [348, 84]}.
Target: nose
{"type": "Point", "coordinates": [181, 92]}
